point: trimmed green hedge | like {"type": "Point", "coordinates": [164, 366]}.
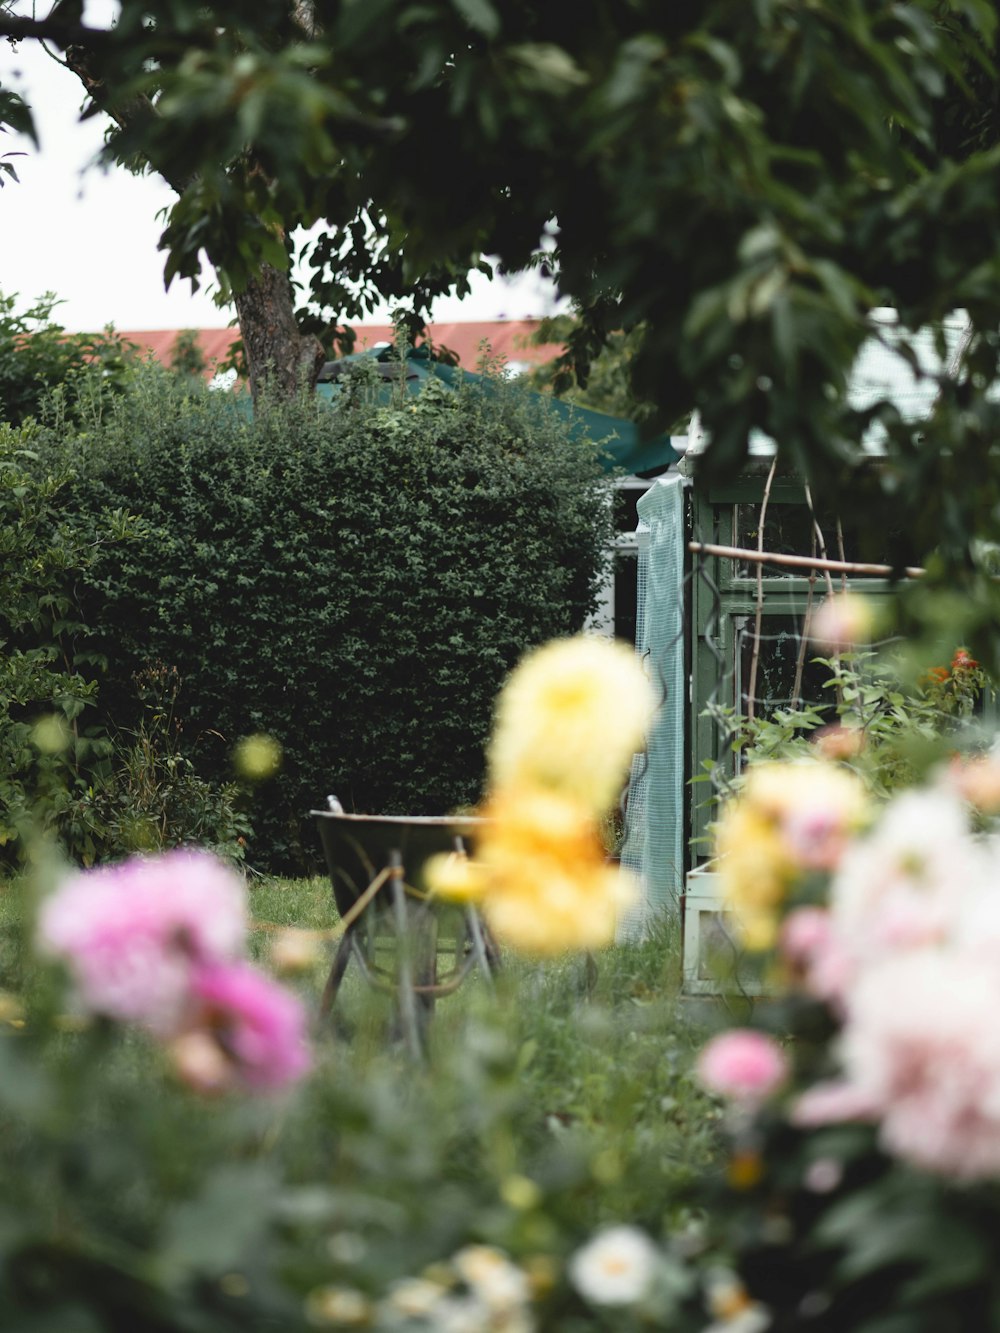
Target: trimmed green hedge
{"type": "Point", "coordinates": [354, 580]}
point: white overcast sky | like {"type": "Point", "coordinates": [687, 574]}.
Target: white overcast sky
{"type": "Point", "coordinates": [90, 235]}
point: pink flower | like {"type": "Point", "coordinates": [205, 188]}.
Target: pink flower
{"type": "Point", "coordinates": [921, 1058]}
{"type": "Point", "coordinates": [131, 934]}
{"type": "Point", "coordinates": [259, 1026]}
{"type": "Point", "coordinates": [831, 1104]}
{"type": "Point", "coordinates": [805, 934]}
{"type": "Point", "coordinates": [816, 954]}
{"type": "Point", "coordinates": [816, 838]}
{"type": "Point", "coordinates": [922, 1046]}
{"type": "Point", "coordinates": [742, 1065]}
{"type": "Point", "coordinates": [905, 885]}
{"type": "Point", "coordinates": [844, 621]}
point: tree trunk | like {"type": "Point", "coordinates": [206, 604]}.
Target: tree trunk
{"type": "Point", "coordinates": [279, 358]}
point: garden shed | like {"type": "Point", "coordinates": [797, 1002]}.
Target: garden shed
{"type": "Point", "coordinates": [722, 632]}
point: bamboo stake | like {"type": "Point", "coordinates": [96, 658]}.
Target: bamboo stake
{"type": "Point", "coordinates": [829, 584]}
{"type": "Point", "coordinates": [799, 561]}
{"type": "Point", "coordinates": [758, 617]}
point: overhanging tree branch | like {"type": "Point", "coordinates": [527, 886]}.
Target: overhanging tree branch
{"type": "Point", "coordinates": [54, 29]}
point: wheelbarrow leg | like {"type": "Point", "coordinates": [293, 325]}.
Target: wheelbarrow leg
{"type": "Point", "coordinates": [340, 961]}
{"type": "Point", "coordinates": [481, 943]}
{"type": "Point", "coordinates": [404, 984]}
{"type": "Point", "coordinates": [424, 942]}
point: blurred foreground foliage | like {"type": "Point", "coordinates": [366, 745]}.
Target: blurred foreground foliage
{"type": "Point", "coordinates": [558, 1105]}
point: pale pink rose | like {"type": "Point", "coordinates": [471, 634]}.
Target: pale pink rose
{"type": "Point", "coordinates": [920, 842]}
{"type": "Point", "coordinates": [816, 838]}
{"type": "Point", "coordinates": [843, 622]}
{"type": "Point", "coordinates": [831, 1104]}
{"type": "Point", "coordinates": [259, 1026]}
{"type": "Point", "coordinates": [977, 780]}
{"type": "Point", "coordinates": [130, 934]}
{"type": "Point", "coordinates": [805, 934]}
{"type": "Point", "coordinates": [904, 885]}
{"type": "Point", "coordinates": [742, 1065]}
{"type": "Point", "coordinates": [923, 1045]}
{"type": "Point", "coordinates": [816, 953]}
{"type": "Point", "coordinates": [824, 1175]}
{"type": "Point", "coordinates": [975, 926]}
{"type": "Point", "coordinates": [912, 959]}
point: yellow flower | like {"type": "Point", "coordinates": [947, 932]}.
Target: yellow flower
{"type": "Point", "coordinates": [549, 888]}
{"type": "Point", "coordinates": [568, 722]}
{"type": "Point", "coordinates": [789, 819]}
{"type": "Point", "coordinates": [569, 718]}
{"type": "Point", "coordinates": [294, 950]}
{"type": "Point", "coordinates": [789, 790]}
{"type": "Point", "coordinates": [51, 734]}
{"type": "Point", "coordinates": [754, 864]}
{"type": "Point", "coordinates": [539, 873]}
{"type": "Point", "coordinates": [455, 878]}
{"type": "Point", "coordinates": [520, 1192]}
{"type": "Point", "coordinates": [257, 757]}
{"type": "Point", "coordinates": [547, 914]}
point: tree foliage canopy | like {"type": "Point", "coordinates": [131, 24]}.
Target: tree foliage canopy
{"type": "Point", "coordinates": [744, 182]}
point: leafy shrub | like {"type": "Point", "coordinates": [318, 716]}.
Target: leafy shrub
{"type": "Point", "coordinates": [38, 356]}
{"type": "Point", "coordinates": [49, 755]}
{"type": "Point", "coordinates": [154, 798]}
{"type": "Point", "coordinates": [64, 769]}
{"type": "Point", "coordinates": [355, 581]}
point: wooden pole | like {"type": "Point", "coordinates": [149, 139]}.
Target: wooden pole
{"type": "Point", "coordinates": [799, 561]}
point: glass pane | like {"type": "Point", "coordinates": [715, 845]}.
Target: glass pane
{"type": "Point", "coordinates": [788, 530]}
{"type": "Point", "coordinates": [781, 650]}
{"type": "Point", "coordinates": [626, 590]}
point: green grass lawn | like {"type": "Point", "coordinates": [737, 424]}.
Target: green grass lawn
{"type": "Point", "coordinates": [604, 1044]}
{"type": "Point", "coordinates": [600, 1047]}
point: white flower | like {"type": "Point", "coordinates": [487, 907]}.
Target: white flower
{"type": "Point", "coordinates": [467, 1314]}
{"type": "Point", "coordinates": [342, 1307]}
{"type": "Point", "coordinates": [491, 1276]}
{"type": "Point", "coordinates": [731, 1306]}
{"type": "Point", "coordinates": [752, 1319]}
{"type": "Point", "coordinates": [415, 1297]}
{"type": "Point", "coordinates": [616, 1267]}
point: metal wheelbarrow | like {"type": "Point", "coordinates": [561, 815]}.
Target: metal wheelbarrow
{"type": "Point", "coordinates": [376, 869]}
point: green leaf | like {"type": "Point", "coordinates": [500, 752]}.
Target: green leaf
{"type": "Point", "coordinates": [546, 67]}
{"type": "Point", "coordinates": [479, 14]}
{"type": "Point", "coordinates": [213, 1232]}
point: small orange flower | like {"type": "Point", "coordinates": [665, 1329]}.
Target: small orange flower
{"type": "Point", "coordinates": [745, 1169]}
{"type": "Point", "coordinates": [978, 781]}
{"type": "Point", "coordinates": [963, 661]}
{"type": "Point", "coordinates": [839, 742]}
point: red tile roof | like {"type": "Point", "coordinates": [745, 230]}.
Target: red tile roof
{"type": "Point", "coordinates": [504, 338]}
